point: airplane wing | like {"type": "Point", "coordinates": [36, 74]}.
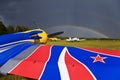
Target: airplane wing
{"type": "Point", "coordinates": [47, 62]}
{"type": "Point", "coordinates": [51, 62]}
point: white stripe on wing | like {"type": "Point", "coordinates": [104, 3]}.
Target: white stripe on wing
{"type": "Point", "coordinates": [62, 66]}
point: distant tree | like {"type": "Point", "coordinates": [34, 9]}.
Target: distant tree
{"type": "Point", "coordinates": [10, 29]}
{"type": "Point", "coordinates": [3, 29]}
{"type": "Point", "coordinates": [24, 28]}
{"type": "Point", "coordinates": [20, 28]}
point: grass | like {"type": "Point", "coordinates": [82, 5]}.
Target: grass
{"type": "Point", "coordinates": [11, 77]}
{"type": "Point", "coordinates": [104, 44]}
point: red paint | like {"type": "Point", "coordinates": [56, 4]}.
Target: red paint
{"type": "Point", "coordinates": [76, 69]}
{"type": "Point", "coordinates": [33, 66]}
{"type": "Point", "coordinates": [105, 51]}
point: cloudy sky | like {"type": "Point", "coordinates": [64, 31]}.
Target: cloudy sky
{"type": "Point", "coordinates": [84, 18]}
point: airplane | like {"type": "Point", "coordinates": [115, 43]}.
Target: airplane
{"type": "Point", "coordinates": [26, 54]}
{"type": "Point", "coordinates": [74, 39]}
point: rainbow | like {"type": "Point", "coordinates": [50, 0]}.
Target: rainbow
{"type": "Point", "coordinates": [78, 30]}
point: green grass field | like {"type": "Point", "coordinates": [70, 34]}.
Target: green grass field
{"type": "Point", "coordinates": [103, 44]}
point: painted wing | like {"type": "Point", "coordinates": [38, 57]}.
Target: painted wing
{"type": "Point", "coordinates": [46, 62]}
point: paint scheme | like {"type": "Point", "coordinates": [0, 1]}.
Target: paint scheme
{"type": "Point", "coordinates": [25, 57]}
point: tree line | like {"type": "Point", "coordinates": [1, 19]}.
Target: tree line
{"type": "Point", "coordinates": [11, 29]}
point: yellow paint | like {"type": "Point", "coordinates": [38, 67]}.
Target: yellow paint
{"type": "Point", "coordinates": [43, 35]}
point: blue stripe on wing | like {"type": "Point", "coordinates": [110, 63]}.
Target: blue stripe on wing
{"type": "Point", "coordinates": [13, 51]}
{"type": "Point", "coordinates": [4, 39]}
{"type": "Point", "coordinates": [51, 71]}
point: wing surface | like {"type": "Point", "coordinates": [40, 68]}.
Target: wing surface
{"type": "Point", "coordinates": [47, 62]}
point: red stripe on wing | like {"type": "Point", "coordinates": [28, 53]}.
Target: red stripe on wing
{"type": "Point", "coordinates": [33, 66]}
{"type": "Point", "coordinates": [76, 69]}
{"type": "Point", "coordinates": [105, 51]}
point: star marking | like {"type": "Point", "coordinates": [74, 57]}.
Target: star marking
{"type": "Point", "coordinates": [98, 58]}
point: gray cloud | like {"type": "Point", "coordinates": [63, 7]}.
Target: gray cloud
{"type": "Point", "coordinates": [100, 15]}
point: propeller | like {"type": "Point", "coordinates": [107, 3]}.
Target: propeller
{"type": "Point", "coordinates": [54, 34]}
{"type": "Point", "coordinates": [49, 35]}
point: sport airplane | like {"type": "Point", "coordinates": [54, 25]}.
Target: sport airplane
{"type": "Point", "coordinates": [75, 39]}
{"type": "Point", "coordinates": [24, 54]}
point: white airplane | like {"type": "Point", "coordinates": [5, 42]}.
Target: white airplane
{"type": "Point", "coordinates": [73, 39]}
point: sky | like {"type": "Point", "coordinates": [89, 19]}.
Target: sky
{"type": "Point", "coordinates": [82, 18]}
